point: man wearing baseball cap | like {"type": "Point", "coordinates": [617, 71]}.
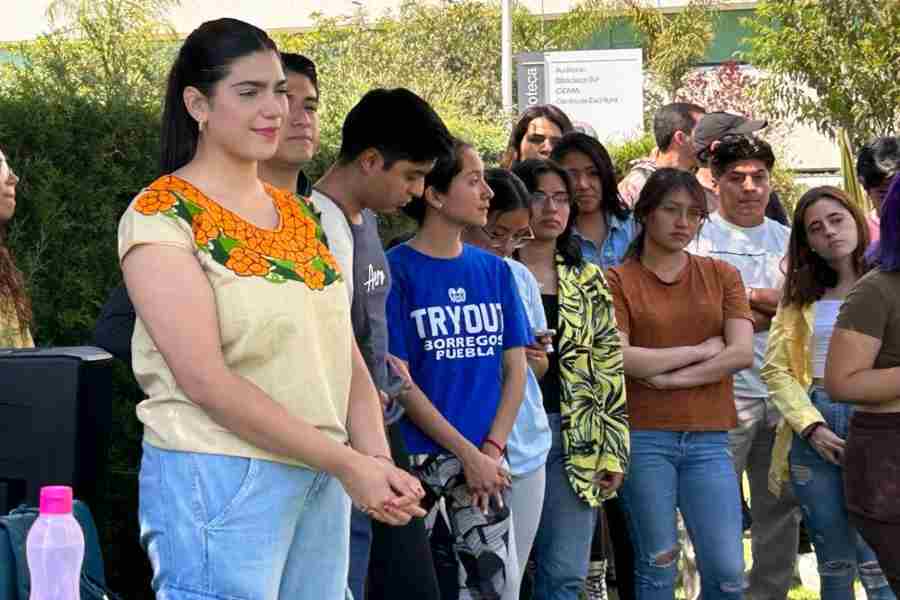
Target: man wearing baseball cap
{"type": "Point", "coordinates": [713, 128]}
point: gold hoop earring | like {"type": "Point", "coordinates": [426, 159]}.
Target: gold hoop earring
{"type": "Point", "coordinates": [200, 126]}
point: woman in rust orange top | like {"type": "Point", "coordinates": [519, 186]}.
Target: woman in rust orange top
{"type": "Point", "coordinates": [685, 326]}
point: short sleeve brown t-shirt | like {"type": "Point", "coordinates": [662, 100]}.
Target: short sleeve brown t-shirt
{"type": "Point", "coordinates": [873, 309]}
{"type": "Point", "coordinates": [685, 312]}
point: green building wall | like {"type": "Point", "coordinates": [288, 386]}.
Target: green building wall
{"type": "Point", "coordinates": [729, 39]}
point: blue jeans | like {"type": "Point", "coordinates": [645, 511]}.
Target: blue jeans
{"type": "Point", "coordinates": [819, 487]}
{"type": "Point", "coordinates": [219, 527]}
{"type": "Point", "coordinates": [360, 548]}
{"type": "Point", "coordinates": [693, 472]}
{"type": "Point", "coordinates": [562, 547]}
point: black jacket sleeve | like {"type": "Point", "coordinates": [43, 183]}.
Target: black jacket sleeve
{"type": "Point", "coordinates": [116, 325]}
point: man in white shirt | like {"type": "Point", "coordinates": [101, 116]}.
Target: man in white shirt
{"type": "Point", "coordinates": [740, 234]}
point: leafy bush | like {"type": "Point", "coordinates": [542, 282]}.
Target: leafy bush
{"type": "Point", "coordinates": [81, 163]}
{"type": "Point", "coordinates": [628, 151]}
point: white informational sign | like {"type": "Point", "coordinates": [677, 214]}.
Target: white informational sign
{"type": "Point", "coordinates": [603, 88]}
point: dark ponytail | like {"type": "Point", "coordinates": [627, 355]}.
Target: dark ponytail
{"type": "Point", "coordinates": [203, 60]}
{"type": "Point", "coordinates": [509, 192]}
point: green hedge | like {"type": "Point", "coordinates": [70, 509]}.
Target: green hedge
{"type": "Point", "coordinates": [80, 164]}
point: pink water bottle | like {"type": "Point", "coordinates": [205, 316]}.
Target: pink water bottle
{"type": "Point", "coordinates": [55, 548]}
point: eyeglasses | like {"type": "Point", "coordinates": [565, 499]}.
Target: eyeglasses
{"type": "Point", "coordinates": [692, 215]}
{"type": "Point", "coordinates": [559, 199]}
{"type": "Point", "coordinates": [514, 240]}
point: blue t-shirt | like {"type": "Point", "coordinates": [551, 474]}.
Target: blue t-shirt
{"type": "Point", "coordinates": [451, 319]}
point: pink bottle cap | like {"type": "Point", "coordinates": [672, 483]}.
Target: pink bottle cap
{"type": "Point", "coordinates": [56, 500]}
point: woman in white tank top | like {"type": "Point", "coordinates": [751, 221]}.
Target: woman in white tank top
{"type": "Point", "coordinates": [825, 259]}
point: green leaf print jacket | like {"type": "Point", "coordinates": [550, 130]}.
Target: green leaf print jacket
{"type": "Point", "coordinates": [594, 419]}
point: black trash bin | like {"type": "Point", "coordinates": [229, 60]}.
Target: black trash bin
{"type": "Point", "coordinates": [55, 414]}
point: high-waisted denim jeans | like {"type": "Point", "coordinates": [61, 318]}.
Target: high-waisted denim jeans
{"type": "Point", "coordinates": [562, 547]}
{"type": "Point", "coordinates": [692, 472]}
{"type": "Point", "coordinates": [220, 527]}
{"type": "Point", "coordinates": [819, 487]}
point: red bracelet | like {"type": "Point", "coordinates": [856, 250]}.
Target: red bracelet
{"type": "Point", "coordinates": [495, 445]}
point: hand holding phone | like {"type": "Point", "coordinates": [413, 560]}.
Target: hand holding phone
{"type": "Point", "coordinates": [545, 338]}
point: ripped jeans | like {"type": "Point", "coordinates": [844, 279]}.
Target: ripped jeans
{"type": "Point", "coordinates": [693, 472]}
{"type": "Point", "coordinates": [819, 487]}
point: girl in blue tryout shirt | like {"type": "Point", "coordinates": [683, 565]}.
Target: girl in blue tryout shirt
{"type": "Point", "coordinates": [456, 322]}
{"type": "Point", "coordinates": [508, 229]}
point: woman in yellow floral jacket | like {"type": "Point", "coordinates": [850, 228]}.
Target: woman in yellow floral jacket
{"type": "Point", "coordinates": [15, 307]}
{"type": "Point", "coordinates": [825, 259]}
{"type": "Point", "coordinates": [584, 388]}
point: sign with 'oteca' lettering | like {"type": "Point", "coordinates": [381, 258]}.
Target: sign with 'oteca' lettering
{"type": "Point", "coordinates": [602, 88]}
{"type": "Point", "coordinates": [530, 70]}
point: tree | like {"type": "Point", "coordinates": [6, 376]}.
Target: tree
{"type": "Point", "coordinates": [79, 120]}
{"type": "Point", "coordinates": [449, 55]}
{"type": "Point", "coordinates": [113, 51]}
{"type": "Point", "coordinates": [730, 87]}
{"type": "Point", "coordinates": [673, 43]}
{"type": "Point", "coordinates": [569, 31]}
{"type": "Point", "coordinates": [830, 63]}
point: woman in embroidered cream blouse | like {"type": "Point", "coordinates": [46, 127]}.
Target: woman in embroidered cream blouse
{"type": "Point", "coordinates": [260, 418]}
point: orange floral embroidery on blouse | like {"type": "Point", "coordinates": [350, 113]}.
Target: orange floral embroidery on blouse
{"type": "Point", "coordinates": [296, 250]}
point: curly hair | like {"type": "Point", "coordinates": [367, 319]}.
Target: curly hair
{"type": "Point", "coordinates": [12, 286]}
{"type": "Point", "coordinates": [735, 148]}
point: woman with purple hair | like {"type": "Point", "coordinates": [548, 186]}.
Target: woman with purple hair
{"type": "Point", "coordinates": [863, 368]}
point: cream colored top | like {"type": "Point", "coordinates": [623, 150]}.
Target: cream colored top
{"type": "Point", "coordinates": [284, 315]}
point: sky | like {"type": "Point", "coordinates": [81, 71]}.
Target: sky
{"type": "Point", "coordinates": [25, 19]}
